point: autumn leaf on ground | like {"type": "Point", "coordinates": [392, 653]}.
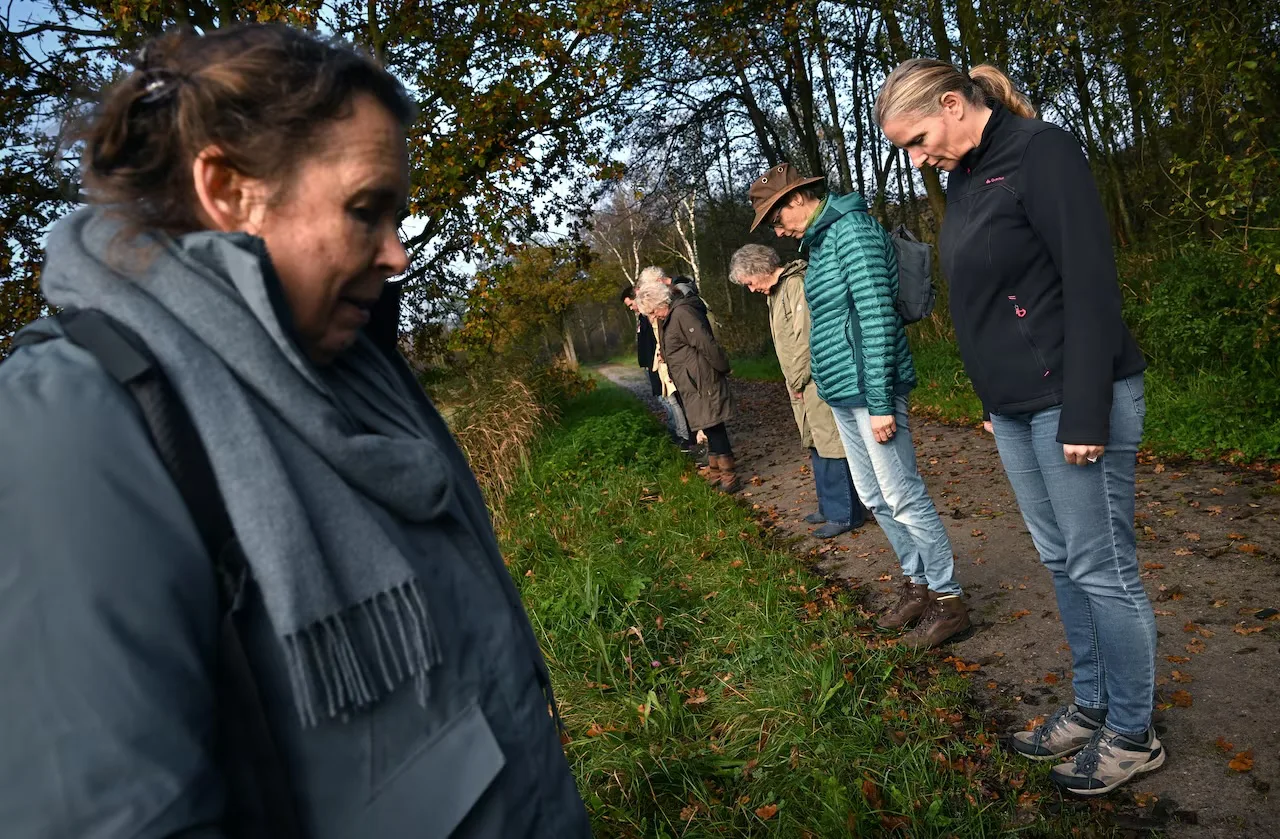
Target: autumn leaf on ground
{"type": "Point", "coordinates": [1018, 615]}
{"type": "Point", "coordinates": [1145, 799]}
{"type": "Point", "coordinates": [889, 822]}
{"type": "Point", "coordinates": [1159, 468]}
{"type": "Point", "coordinates": [1051, 679]}
{"type": "Point", "coordinates": [1241, 629]}
{"type": "Point", "coordinates": [1182, 699]}
{"type": "Point", "coordinates": [1224, 745]}
{"type": "Point", "coordinates": [1235, 537]}
{"type": "Point", "coordinates": [1182, 552]}
{"type": "Point", "coordinates": [688, 813]}
{"type": "Point", "coordinates": [1192, 537]}
{"type": "Point", "coordinates": [1218, 604]}
{"type": "Point", "coordinates": [871, 793]}
{"type": "Point", "coordinates": [1177, 659]}
{"type": "Point", "coordinates": [1164, 613]}
{"type": "Point", "coordinates": [962, 667]}
{"type": "Point", "coordinates": [1179, 676]}
{"type": "Point", "coordinates": [1248, 548]}
{"type": "Point", "coordinates": [1242, 762]}
{"type": "Point", "coordinates": [595, 730]}
{"type": "Point", "coordinates": [1153, 566]}
{"type": "Point", "coordinates": [697, 696]}
{"type": "Point", "coordinates": [1033, 722]}
{"type": "Point", "coordinates": [767, 812]}
{"type": "Point", "coordinates": [1195, 647]}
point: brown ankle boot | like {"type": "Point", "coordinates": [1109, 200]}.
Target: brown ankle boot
{"type": "Point", "coordinates": [728, 480]}
{"type": "Point", "coordinates": [913, 598]}
{"type": "Point", "coordinates": [711, 472]}
{"type": "Point", "coordinates": [946, 616]}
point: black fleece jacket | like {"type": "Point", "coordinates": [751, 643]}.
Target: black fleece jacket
{"type": "Point", "coordinates": [1034, 296]}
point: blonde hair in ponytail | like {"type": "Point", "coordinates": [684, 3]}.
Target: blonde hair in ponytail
{"type": "Point", "coordinates": [916, 86]}
{"type": "Point", "coordinates": [997, 85]}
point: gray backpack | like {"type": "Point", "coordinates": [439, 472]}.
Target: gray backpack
{"type": "Point", "coordinates": [916, 292]}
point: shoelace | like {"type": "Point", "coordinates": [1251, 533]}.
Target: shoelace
{"type": "Point", "coordinates": [1087, 758]}
{"type": "Point", "coordinates": [1043, 729]}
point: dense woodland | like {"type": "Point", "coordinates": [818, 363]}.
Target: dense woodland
{"type": "Point", "coordinates": [564, 145]}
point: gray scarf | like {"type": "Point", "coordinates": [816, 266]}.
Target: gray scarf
{"type": "Point", "coordinates": [303, 457]}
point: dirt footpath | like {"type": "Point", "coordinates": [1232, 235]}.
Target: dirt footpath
{"type": "Point", "coordinates": [1210, 552]}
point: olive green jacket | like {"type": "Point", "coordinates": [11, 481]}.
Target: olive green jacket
{"type": "Point", "coordinates": [789, 323]}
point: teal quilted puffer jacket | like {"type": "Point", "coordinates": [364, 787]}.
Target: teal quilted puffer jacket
{"type": "Point", "coordinates": [857, 341]}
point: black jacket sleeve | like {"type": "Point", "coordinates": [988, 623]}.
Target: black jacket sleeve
{"type": "Point", "coordinates": [1062, 203]}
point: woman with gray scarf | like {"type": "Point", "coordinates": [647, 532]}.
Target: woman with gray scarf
{"type": "Point", "coordinates": [246, 190]}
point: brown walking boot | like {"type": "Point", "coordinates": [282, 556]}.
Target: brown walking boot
{"type": "Point", "coordinates": [912, 600]}
{"type": "Point", "coordinates": [728, 480]}
{"type": "Point", "coordinates": [945, 617]}
{"type": "Point", "coordinates": [711, 472]}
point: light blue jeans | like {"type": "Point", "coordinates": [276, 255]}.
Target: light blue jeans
{"type": "Point", "coordinates": [676, 423]}
{"type": "Point", "coordinates": [890, 486]}
{"type": "Point", "coordinates": [1081, 521]}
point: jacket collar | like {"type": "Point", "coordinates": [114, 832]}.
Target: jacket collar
{"type": "Point", "coordinates": [999, 116]}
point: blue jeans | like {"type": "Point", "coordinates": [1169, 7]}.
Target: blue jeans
{"type": "Point", "coordinates": [676, 423]}
{"type": "Point", "coordinates": [1081, 520]}
{"type": "Point", "coordinates": [837, 499]}
{"type": "Point", "coordinates": [886, 477]}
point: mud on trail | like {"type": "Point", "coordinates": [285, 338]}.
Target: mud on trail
{"type": "Point", "coordinates": [1209, 549]}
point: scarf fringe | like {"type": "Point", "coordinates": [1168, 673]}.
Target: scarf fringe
{"type": "Point", "coordinates": [327, 671]}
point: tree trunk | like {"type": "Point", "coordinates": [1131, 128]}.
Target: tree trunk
{"type": "Point", "coordinates": [975, 51]}
{"type": "Point", "coordinates": [828, 83]}
{"type": "Point", "coordinates": [938, 25]}
{"type": "Point", "coordinates": [932, 184]}
{"type": "Point", "coordinates": [566, 332]}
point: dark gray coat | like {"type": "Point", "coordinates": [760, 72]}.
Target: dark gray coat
{"type": "Point", "coordinates": [698, 366]}
{"type": "Point", "coordinates": [108, 626]}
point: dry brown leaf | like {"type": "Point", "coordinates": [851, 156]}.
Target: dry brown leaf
{"type": "Point", "coordinates": [962, 667]}
{"type": "Point", "coordinates": [1192, 537]}
{"type": "Point", "coordinates": [1179, 676]}
{"type": "Point", "coordinates": [1020, 614]}
{"type": "Point", "coordinates": [1224, 745]}
{"type": "Point", "coordinates": [1145, 799]}
{"type": "Point", "coordinates": [975, 532]}
{"type": "Point", "coordinates": [767, 812]}
{"type": "Point", "coordinates": [1164, 613]}
{"type": "Point", "coordinates": [1159, 468]}
{"type": "Point", "coordinates": [1153, 566]}
{"type": "Point", "coordinates": [1242, 762]}
{"type": "Point", "coordinates": [688, 813]}
{"type": "Point", "coordinates": [1248, 548]}
{"type": "Point", "coordinates": [1177, 659]}
{"type": "Point", "coordinates": [595, 730]}
{"type": "Point", "coordinates": [1051, 679]}
{"type": "Point", "coordinates": [1033, 722]}
{"type": "Point", "coordinates": [1241, 629]}
{"type": "Point", "coordinates": [871, 793]}
{"type": "Point", "coordinates": [737, 563]}
{"type": "Point", "coordinates": [1235, 537]}
{"type": "Point", "coordinates": [697, 696]}
{"type": "Point", "coordinates": [1182, 699]}
{"type": "Point", "coordinates": [1195, 647]}
{"type": "Point", "coordinates": [1182, 552]}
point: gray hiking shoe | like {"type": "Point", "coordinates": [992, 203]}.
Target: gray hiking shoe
{"type": "Point", "coordinates": [1109, 760]}
{"type": "Point", "coordinates": [1063, 734]}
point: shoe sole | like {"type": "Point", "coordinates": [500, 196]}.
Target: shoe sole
{"type": "Point", "coordinates": [1057, 756]}
{"type": "Point", "coordinates": [1149, 766]}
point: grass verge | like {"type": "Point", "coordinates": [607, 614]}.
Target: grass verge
{"type": "Point", "coordinates": [760, 368]}
{"type": "Point", "coordinates": [712, 686]}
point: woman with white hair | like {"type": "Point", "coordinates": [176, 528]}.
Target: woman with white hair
{"type": "Point", "coordinates": [759, 268]}
{"type": "Point", "coordinates": [699, 368]}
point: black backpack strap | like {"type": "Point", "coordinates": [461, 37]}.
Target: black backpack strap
{"type": "Point", "coordinates": [260, 798]}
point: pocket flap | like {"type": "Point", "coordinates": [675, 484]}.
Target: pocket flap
{"type": "Point", "coordinates": [436, 786]}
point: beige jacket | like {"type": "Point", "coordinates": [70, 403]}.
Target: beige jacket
{"type": "Point", "coordinates": [789, 323]}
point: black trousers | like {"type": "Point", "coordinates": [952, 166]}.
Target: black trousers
{"type": "Point", "coordinates": [718, 440]}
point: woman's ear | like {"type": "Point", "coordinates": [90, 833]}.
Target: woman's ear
{"type": "Point", "coordinates": [953, 104]}
{"type": "Point", "coordinates": [228, 201]}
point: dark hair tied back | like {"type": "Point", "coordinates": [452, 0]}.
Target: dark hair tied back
{"type": "Point", "coordinates": [261, 94]}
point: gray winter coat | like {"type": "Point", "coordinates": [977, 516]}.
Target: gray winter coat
{"type": "Point", "coordinates": [698, 365]}
{"type": "Point", "coordinates": [108, 630]}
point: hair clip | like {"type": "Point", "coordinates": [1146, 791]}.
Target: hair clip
{"type": "Point", "coordinates": [161, 86]}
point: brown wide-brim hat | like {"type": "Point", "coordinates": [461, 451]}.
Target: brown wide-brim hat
{"type": "Point", "coordinates": [773, 185]}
